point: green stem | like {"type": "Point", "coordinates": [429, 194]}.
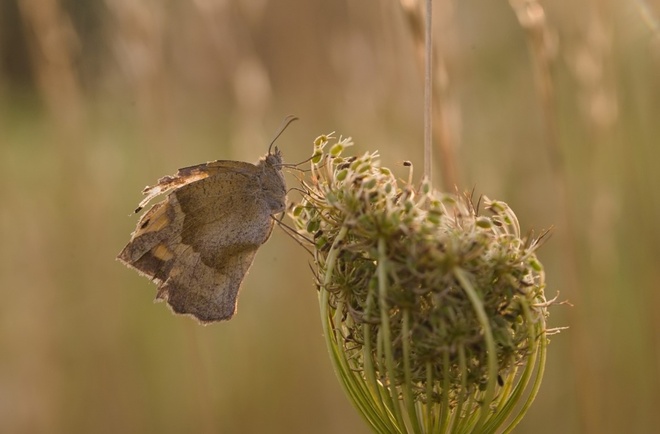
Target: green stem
{"type": "Point", "coordinates": [445, 412]}
{"type": "Point", "coordinates": [384, 331]}
{"type": "Point", "coordinates": [340, 364]}
{"type": "Point", "coordinates": [458, 420]}
{"type": "Point", "coordinates": [430, 413]}
{"type": "Point", "coordinates": [382, 397]}
{"type": "Point", "coordinates": [471, 292]}
{"type": "Point", "coordinates": [538, 346]}
{"type": "Point", "coordinates": [407, 387]}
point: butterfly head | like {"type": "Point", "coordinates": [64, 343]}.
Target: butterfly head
{"type": "Point", "coordinates": [274, 158]}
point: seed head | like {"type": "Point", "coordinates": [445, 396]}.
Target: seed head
{"type": "Point", "coordinates": [433, 306]}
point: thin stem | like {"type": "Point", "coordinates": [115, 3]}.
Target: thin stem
{"type": "Point", "coordinates": [440, 128]}
{"type": "Point", "coordinates": [428, 90]}
{"type": "Point", "coordinates": [384, 330]}
{"type": "Point", "coordinates": [407, 388]}
{"type": "Point", "coordinates": [354, 389]}
{"type": "Point", "coordinates": [478, 307]}
{"type": "Point", "coordinates": [380, 393]}
{"type": "Point", "coordinates": [458, 420]}
{"type": "Point", "coordinates": [446, 411]}
{"type": "Point", "coordinates": [430, 415]}
{"type": "Point", "coordinates": [537, 348]}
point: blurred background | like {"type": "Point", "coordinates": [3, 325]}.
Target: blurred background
{"type": "Point", "coordinates": [552, 107]}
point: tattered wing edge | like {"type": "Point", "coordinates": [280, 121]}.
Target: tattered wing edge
{"type": "Point", "coordinates": [188, 175]}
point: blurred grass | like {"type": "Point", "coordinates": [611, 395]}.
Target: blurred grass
{"type": "Point", "coordinates": [98, 99]}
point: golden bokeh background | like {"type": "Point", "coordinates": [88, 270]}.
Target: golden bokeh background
{"type": "Point", "coordinates": [552, 107]}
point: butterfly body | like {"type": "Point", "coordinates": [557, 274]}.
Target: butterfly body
{"type": "Point", "coordinates": [198, 243]}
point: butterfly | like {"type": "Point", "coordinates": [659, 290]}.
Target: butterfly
{"type": "Point", "coordinates": [198, 243]}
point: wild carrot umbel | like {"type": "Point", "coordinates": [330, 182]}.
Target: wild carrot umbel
{"type": "Point", "coordinates": [433, 310]}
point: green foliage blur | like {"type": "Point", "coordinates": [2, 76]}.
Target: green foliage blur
{"type": "Point", "coordinates": [102, 97]}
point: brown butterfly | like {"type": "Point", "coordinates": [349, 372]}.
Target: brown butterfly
{"type": "Point", "coordinates": [199, 243]}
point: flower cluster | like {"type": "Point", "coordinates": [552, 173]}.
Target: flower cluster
{"type": "Point", "coordinates": [434, 309]}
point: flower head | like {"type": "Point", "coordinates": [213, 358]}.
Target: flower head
{"type": "Point", "coordinates": [433, 310]}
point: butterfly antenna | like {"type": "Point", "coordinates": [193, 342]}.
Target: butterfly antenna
{"type": "Point", "coordinates": [285, 123]}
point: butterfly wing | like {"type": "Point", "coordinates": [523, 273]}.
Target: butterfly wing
{"type": "Point", "coordinates": [199, 243]}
